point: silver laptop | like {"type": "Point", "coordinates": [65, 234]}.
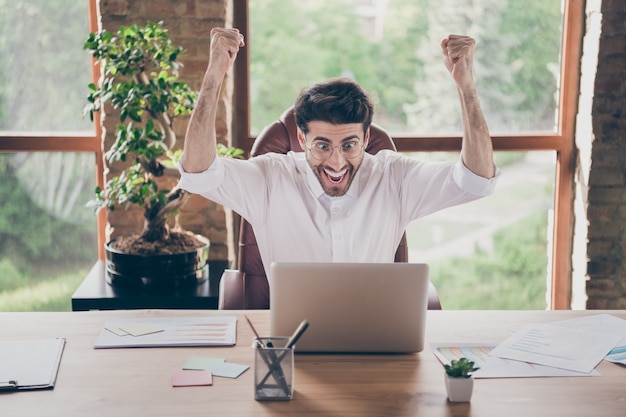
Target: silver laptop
{"type": "Point", "coordinates": [351, 307]}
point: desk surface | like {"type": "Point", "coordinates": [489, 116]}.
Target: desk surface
{"type": "Point", "coordinates": [136, 382]}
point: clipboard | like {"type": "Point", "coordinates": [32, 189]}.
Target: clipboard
{"type": "Point", "coordinates": [30, 364]}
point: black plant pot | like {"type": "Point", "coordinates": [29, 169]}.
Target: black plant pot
{"type": "Point", "coordinates": [157, 273]}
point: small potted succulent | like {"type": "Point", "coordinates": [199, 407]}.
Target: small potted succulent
{"type": "Point", "coordinates": [459, 380]}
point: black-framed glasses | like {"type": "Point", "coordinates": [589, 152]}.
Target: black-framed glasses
{"type": "Point", "coordinates": [322, 150]}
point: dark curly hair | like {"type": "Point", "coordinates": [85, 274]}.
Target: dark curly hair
{"type": "Point", "coordinates": [336, 101]}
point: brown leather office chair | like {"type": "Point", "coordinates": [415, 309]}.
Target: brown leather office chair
{"type": "Point", "coordinates": [247, 287]}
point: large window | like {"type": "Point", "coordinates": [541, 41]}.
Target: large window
{"type": "Point", "coordinates": [493, 253]}
{"type": "Point", "coordinates": [527, 75]}
{"type": "Point", "coordinates": [391, 47]}
{"type": "Point", "coordinates": [511, 250]}
{"type": "Point", "coordinates": [47, 154]}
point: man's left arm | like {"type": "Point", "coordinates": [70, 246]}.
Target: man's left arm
{"type": "Point", "coordinates": [477, 149]}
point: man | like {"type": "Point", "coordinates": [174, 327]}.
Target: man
{"type": "Point", "coordinates": [334, 202]}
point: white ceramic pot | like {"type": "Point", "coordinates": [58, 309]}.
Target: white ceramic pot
{"type": "Point", "coordinates": [459, 389]}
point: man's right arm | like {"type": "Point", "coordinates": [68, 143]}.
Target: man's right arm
{"type": "Point", "coordinates": [200, 140]}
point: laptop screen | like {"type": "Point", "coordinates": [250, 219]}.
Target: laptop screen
{"type": "Point", "coordinates": [350, 307]}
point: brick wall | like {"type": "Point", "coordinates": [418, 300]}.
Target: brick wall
{"type": "Point", "coordinates": [606, 170]}
{"type": "Point", "coordinates": [189, 23]}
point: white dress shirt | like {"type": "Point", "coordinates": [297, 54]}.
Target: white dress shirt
{"type": "Point", "coordinates": [294, 220]}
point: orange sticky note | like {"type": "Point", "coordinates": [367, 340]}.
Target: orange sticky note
{"type": "Point", "coordinates": [184, 378]}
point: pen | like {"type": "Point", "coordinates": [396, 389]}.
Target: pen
{"type": "Point", "coordinates": [258, 338]}
{"type": "Point", "coordinates": [298, 333]}
{"type": "Point", "coordinates": [290, 344]}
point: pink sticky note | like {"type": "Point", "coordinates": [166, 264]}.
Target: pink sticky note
{"type": "Point", "coordinates": [185, 378]}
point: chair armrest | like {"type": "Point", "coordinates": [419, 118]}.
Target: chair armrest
{"type": "Point", "coordinates": [433, 298]}
{"type": "Point", "coordinates": [232, 293]}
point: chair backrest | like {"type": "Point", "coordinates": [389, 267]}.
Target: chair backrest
{"type": "Point", "coordinates": [281, 137]}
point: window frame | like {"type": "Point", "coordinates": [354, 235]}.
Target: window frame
{"type": "Point", "coordinates": [562, 141]}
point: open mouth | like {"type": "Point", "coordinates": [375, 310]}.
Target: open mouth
{"type": "Point", "coordinates": [335, 177]}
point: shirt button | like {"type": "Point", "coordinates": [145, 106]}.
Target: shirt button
{"type": "Point", "coordinates": [336, 210]}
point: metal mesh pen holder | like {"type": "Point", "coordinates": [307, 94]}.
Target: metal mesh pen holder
{"type": "Point", "coordinates": [273, 369]}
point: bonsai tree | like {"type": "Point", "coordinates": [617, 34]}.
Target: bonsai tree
{"type": "Point", "coordinates": [460, 368]}
{"type": "Point", "coordinates": [140, 79]}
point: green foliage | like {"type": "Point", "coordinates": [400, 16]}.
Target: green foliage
{"type": "Point", "coordinates": [297, 43]}
{"type": "Point", "coordinates": [504, 159]}
{"type": "Point", "coordinates": [279, 40]}
{"type": "Point", "coordinates": [42, 79]}
{"type": "Point", "coordinates": [132, 186]}
{"type": "Point", "coordinates": [140, 79]}
{"type": "Point", "coordinates": [50, 292]}
{"type": "Point", "coordinates": [40, 238]}
{"type": "Point", "coordinates": [513, 277]}
{"type": "Point", "coordinates": [532, 47]}
{"type": "Point", "coordinates": [229, 152]}
{"type": "Point", "coordinates": [10, 277]}
{"type": "Point", "coordinates": [396, 63]}
{"type": "Point", "coordinates": [460, 368]}
{"type": "Point", "coordinates": [42, 70]}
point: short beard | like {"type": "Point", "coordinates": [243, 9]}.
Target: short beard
{"type": "Point", "coordinates": [330, 190]}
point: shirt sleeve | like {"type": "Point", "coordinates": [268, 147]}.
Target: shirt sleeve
{"type": "Point", "coordinates": [472, 183]}
{"type": "Point", "coordinates": [428, 187]}
{"type": "Point", "coordinates": [201, 182]}
{"type": "Point", "coordinates": [234, 183]}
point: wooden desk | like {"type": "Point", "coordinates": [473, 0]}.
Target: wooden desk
{"type": "Point", "coordinates": [94, 293]}
{"type": "Point", "coordinates": [136, 382]}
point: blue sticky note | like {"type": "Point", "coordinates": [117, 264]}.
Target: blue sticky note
{"type": "Point", "coordinates": [201, 363]}
{"type": "Point", "coordinates": [227, 369]}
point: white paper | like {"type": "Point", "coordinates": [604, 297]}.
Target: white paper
{"type": "Point", "coordinates": [600, 323]}
{"type": "Point", "coordinates": [176, 331]}
{"type": "Point", "coordinates": [558, 346]}
{"type": "Point", "coordinates": [494, 367]}
{"type": "Point", "coordinates": [603, 323]}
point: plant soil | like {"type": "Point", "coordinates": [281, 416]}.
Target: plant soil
{"type": "Point", "coordinates": [177, 242]}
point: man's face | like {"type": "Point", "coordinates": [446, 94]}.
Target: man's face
{"type": "Point", "coordinates": [334, 153]}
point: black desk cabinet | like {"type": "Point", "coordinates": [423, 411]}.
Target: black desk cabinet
{"type": "Point", "coordinates": [94, 293]}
